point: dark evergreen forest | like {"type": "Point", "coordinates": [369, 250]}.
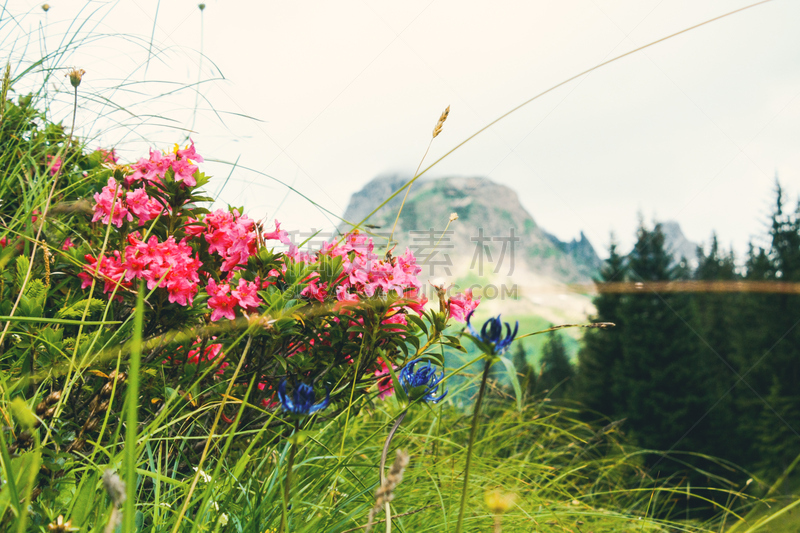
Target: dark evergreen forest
{"type": "Point", "coordinates": [706, 378]}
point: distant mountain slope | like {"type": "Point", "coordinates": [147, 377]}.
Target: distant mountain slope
{"type": "Point", "coordinates": [677, 243]}
{"type": "Point", "coordinates": [490, 222]}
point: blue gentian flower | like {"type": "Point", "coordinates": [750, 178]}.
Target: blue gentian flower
{"type": "Point", "coordinates": [421, 383]}
{"type": "Point", "coordinates": [301, 402]}
{"type": "Point", "coordinates": [492, 334]}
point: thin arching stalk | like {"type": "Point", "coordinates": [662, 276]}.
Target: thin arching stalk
{"type": "Point", "coordinates": [475, 416]}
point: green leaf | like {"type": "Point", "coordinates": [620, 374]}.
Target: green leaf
{"type": "Point", "coordinates": [84, 500]}
{"type": "Point", "coordinates": [76, 310]}
{"type": "Point", "coordinates": [400, 393]}
{"type": "Point", "coordinates": [413, 340]}
{"type": "Point", "coordinates": [512, 375]}
{"type": "Point", "coordinates": [418, 321]}
{"type": "Point", "coordinates": [22, 269]}
{"type": "Point", "coordinates": [404, 349]}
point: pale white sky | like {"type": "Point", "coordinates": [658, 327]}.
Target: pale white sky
{"type": "Point", "coordinates": [693, 129]}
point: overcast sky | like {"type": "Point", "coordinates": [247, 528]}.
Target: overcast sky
{"type": "Point", "coordinates": [693, 129]}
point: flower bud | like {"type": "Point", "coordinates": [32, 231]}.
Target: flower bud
{"type": "Point", "coordinates": [75, 76]}
{"type": "Point", "coordinates": [498, 501]}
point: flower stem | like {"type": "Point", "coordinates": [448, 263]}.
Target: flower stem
{"type": "Point", "coordinates": [288, 485]}
{"type": "Point", "coordinates": [386, 446]}
{"type": "Point", "coordinates": [472, 433]}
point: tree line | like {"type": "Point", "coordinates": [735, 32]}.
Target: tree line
{"type": "Point", "coordinates": [695, 374]}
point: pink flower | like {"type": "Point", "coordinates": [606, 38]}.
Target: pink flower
{"type": "Point", "coordinates": [385, 386]}
{"type": "Point", "coordinates": [142, 205]}
{"type": "Point", "coordinates": [111, 199]}
{"type": "Point", "coordinates": [184, 172]}
{"type": "Point", "coordinates": [231, 236]}
{"type": "Point", "coordinates": [67, 244]}
{"type": "Point", "coordinates": [278, 234]}
{"type": "Point", "coordinates": [396, 318]}
{"type": "Point", "coordinates": [107, 269]}
{"type": "Point", "coordinates": [3, 242]}
{"type": "Point", "coordinates": [462, 305]}
{"type": "Point", "coordinates": [194, 228]}
{"type": "Point", "coordinates": [415, 301]}
{"type": "Point", "coordinates": [152, 169]}
{"type": "Point", "coordinates": [314, 291]}
{"type": "Point", "coordinates": [246, 294]}
{"type": "Point", "coordinates": [222, 304]}
{"type": "Point", "coordinates": [209, 354]}
{"type": "Point", "coordinates": [54, 163]}
{"type": "Point", "coordinates": [189, 153]}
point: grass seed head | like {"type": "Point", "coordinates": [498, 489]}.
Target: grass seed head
{"type": "Point", "coordinates": [385, 492]}
{"type": "Point", "coordinates": [438, 129]}
{"type": "Point", "coordinates": [115, 487]}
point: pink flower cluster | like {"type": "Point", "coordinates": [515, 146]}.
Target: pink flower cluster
{"type": "Point", "coordinates": [167, 264]}
{"type": "Point", "coordinates": [364, 272]}
{"type": "Point", "coordinates": [230, 235]}
{"type": "Point", "coordinates": [156, 166]}
{"type": "Point", "coordinates": [117, 206]}
{"type": "Point", "coordinates": [211, 352]}
{"type": "Point", "coordinates": [224, 299]}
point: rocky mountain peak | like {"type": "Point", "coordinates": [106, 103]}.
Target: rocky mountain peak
{"type": "Point", "coordinates": [494, 233]}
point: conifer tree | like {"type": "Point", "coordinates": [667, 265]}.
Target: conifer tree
{"type": "Point", "coordinates": [600, 356]}
{"type": "Point", "coordinates": [715, 324]}
{"type": "Point", "coordinates": [773, 361]}
{"type": "Point", "coordinates": [526, 372]}
{"type": "Point", "coordinates": [557, 372]}
{"type": "Point", "coordinates": [663, 378]}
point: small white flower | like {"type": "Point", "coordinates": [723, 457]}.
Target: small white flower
{"type": "Point", "coordinates": [223, 519]}
{"type": "Point", "coordinates": [205, 477]}
{"type": "Point", "coordinates": [215, 505]}
{"type": "Point", "coordinates": [165, 504]}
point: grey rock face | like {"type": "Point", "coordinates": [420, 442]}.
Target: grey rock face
{"type": "Point", "coordinates": [493, 235]}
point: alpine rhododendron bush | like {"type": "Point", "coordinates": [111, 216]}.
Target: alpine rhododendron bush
{"type": "Point", "coordinates": [332, 319]}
